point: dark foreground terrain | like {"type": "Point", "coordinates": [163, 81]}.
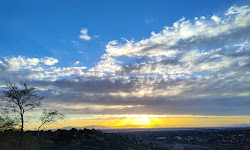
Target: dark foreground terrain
{"type": "Point", "coordinates": [175, 139]}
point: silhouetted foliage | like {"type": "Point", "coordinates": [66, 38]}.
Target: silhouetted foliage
{"type": "Point", "coordinates": [49, 116]}
{"type": "Point", "coordinates": [20, 99]}
{"type": "Point", "coordinates": [6, 123]}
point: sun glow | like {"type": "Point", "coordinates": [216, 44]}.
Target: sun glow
{"type": "Point", "coordinates": [141, 121]}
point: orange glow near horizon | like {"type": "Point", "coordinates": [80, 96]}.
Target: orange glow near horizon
{"type": "Point", "coordinates": [138, 120]}
{"type": "Point", "coordinates": [144, 121]}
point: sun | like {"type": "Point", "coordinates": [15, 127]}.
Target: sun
{"type": "Point", "coordinates": [140, 120]}
{"type": "Point", "coordinates": [135, 121]}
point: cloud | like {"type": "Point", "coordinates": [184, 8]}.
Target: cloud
{"type": "Point", "coordinates": [77, 62]}
{"type": "Point", "coordinates": [216, 19]}
{"type": "Point", "coordinates": [49, 61]}
{"type": "Point", "coordinates": [193, 59]}
{"type": "Point", "coordinates": [16, 63]}
{"type": "Point", "coordinates": [185, 48]}
{"type": "Point", "coordinates": [84, 34]}
{"type": "Point", "coordinates": [96, 36]}
{"type": "Point", "coordinates": [237, 10]}
{"type": "Point", "coordinates": [22, 68]}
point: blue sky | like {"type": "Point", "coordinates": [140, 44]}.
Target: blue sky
{"type": "Point", "coordinates": [47, 28]}
{"type": "Point", "coordinates": [117, 57]}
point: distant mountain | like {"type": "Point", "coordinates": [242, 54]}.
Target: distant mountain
{"type": "Point", "coordinates": [96, 127]}
{"type": "Point", "coordinates": [87, 127]}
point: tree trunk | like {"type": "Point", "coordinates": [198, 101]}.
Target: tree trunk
{"type": "Point", "coordinates": [21, 137]}
{"type": "Point", "coordinates": [38, 135]}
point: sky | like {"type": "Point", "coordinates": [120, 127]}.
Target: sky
{"type": "Point", "coordinates": [129, 64]}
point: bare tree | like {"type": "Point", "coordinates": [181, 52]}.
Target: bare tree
{"type": "Point", "coordinates": [20, 99]}
{"type": "Point", "coordinates": [49, 116]}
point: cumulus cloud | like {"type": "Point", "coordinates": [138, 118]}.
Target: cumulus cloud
{"type": "Point", "coordinates": [49, 61]}
{"type": "Point", "coordinates": [84, 34]}
{"type": "Point", "coordinates": [216, 19]}
{"type": "Point", "coordinates": [16, 63]}
{"type": "Point", "coordinates": [77, 62]}
{"type": "Point", "coordinates": [22, 68]}
{"type": "Point", "coordinates": [192, 59]}
{"type": "Point", "coordinates": [186, 47]}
